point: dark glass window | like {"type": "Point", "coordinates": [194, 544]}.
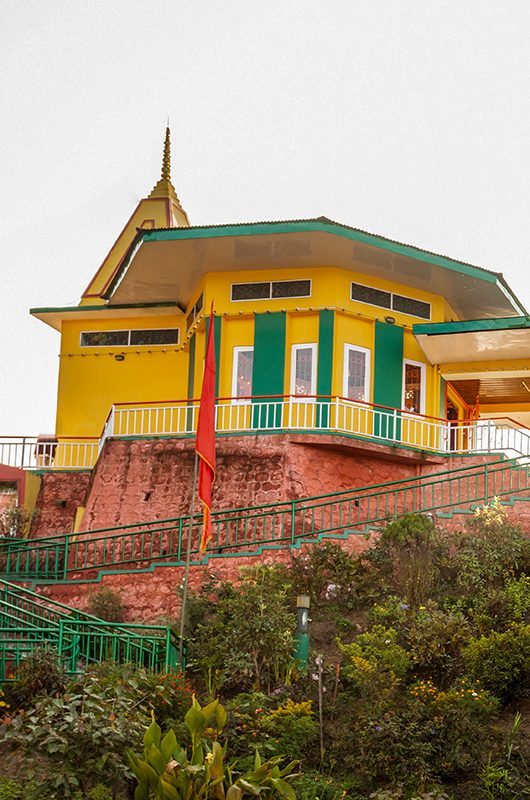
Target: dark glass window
{"type": "Point", "coordinates": [274, 289]}
{"type": "Point", "coordinates": [367, 294]}
{"type": "Point", "coordinates": [407, 305]}
{"type": "Point", "coordinates": [197, 308]}
{"type": "Point", "coordinates": [291, 288]}
{"type": "Point", "coordinates": [156, 336]}
{"type": "Point", "coordinates": [251, 291]}
{"type": "Point", "coordinates": [104, 338]}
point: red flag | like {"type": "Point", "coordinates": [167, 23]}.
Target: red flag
{"type": "Point", "coordinates": [205, 447]}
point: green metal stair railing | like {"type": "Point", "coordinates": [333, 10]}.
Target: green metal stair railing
{"type": "Point", "coordinates": [27, 620]}
{"type": "Point", "coordinates": [58, 558]}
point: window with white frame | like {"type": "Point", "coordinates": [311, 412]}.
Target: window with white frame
{"type": "Point", "coordinates": [356, 384]}
{"type": "Point", "coordinates": [414, 386]}
{"type": "Point", "coordinates": [242, 372]}
{"type": "Point", "coordinates": [303, 369]}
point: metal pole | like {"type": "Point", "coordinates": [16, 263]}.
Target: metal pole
{"type": "Point", "coordinates": [188, 557]}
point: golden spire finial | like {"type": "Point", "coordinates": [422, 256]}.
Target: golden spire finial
{"type": "Point", "coordinates": [164, 189]}
{"type": "Point", "coordinates": [166, 158]}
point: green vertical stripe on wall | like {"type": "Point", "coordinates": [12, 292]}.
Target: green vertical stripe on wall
{"type": "Point", "coordinates": [388, 374]}
{"type": "Point", "coordinates": [442, 412]}
{"type": "Point", "coordinates": [269, 362]}
{"type": "Point", "coordinates": [325, 364]}
{"type": "Point", "coordinates": [325, 352]}
{"type": "Point", "coordinates": [217, 346]}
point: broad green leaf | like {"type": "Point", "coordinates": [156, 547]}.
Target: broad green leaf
{"type": "Point", "coordinates": [217, 767]}
{"type": "Point", "coordinates": [248, 787]}
{"type": "Point", "coordinates": [210, 709]}
{"type": "Point", "coordinates": [234, 793]}
{"type": "Point", "coordinates": [142, 791]}
{"type": "Point", "coordinates": [196, 721]}
{"type": "Point", "coordinates": [152, 735]}
{"type": "Point", "coordinates": [157, 760]}
{"type": "Point", "coordinates": [284, 789]}
{"type": "Point", "coordinates": [288, 769]}
{"type": "Point", "coordinates": [167, 791]}
{"type": "Point", "coordinates": [221, 717]}
{"type": "Point", "coordinates": [168, 744]}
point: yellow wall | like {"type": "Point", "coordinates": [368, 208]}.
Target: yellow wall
{"type": "Point", "coordinates": [330, 289]}
{"type": "Point", "coordinates": [356, 331]}
{"type": "Point", "coordinates": [235, 332]}
{"type": "Point", "coordinates": [91, 380]}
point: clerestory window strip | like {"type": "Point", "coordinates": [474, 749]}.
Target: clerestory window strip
{"type": "Point", "coordinates": [130, 338]}
{"type": "Point", "coordinates": [389, 300]}
{"type": "Point", "coordinates": [270, 290]}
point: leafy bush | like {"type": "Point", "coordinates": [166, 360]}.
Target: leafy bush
{"type": "Point", "coordinates": [291, 729]}
{"type": "Point", "coordinates": [246, 639]}
{"type": "Point", "coordinates": [81, 735]}
{"type": "Point", "coordinates": [435, 640]}
{"type": "Point", "coordinates": [375, 660]}
{"type": "Point", "coordinates": [492, 553]}
{"type": "Point", "coordinates": [167, 695]}
{"type": "Point", "coordinates": [327, 574]}
{"type": "Point", "coordinates": [315, 786]}
{"type": "Point", "coordinates": [406, 560]}
{"type": "Point", "coordinates": [501, 661]}
{"type": "Point", "coordinates": [106, 604]}
{"type": "Point", "coordinates": [41, 673]}
{"type": "Point", "coordinates": [517, 591]}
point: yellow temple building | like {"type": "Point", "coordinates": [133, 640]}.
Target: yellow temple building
{"type": "Point", "coordinates": [317, 326]}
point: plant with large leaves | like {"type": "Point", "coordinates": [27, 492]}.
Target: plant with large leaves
{"type": "Point", "coordinates": [166, 772]}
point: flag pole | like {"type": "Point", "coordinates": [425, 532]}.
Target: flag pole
{"type": "Point", "coordinates": [188, 559]}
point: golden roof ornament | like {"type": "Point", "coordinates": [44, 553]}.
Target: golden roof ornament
{"type": "Point", "coordinates": [164, 187]}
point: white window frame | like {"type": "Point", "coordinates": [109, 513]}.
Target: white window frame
{"type": "Point", "coordinates": [367, 371]}
{"type": "Point", "coordinates": [294, 349]}
{"type": "Point", "coordinates": [423, 385]}
{"type": "Point", "coordinates": [235, 363]}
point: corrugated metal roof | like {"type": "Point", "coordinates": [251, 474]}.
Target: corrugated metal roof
{"type": "Point", "coordinates": [329, 221]}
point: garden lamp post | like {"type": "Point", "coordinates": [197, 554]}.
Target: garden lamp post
{"type": "Point", "coordinates": [302, 636]}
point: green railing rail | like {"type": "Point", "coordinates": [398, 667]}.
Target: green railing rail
{"type": "Point", "coordinates": [28, 619]}
{"type": "Point", "coordinates": [58, 558]}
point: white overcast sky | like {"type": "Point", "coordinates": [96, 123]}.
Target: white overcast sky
{"type": "Point", "coordinates": [408, 118]}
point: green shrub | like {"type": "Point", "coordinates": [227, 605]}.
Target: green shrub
{"type": "Point", "coordinates": [327, 574]}
{"type": "Point", "coordinates": [246, 639]}
{"type": "Point", "coordinates": [290, 729]}
{"type": "Point", "coordinates": [41, 673]}
{"type": "Point", "coordinates": [435, 640]}
{"type": "Point", "coordinates": [517, 591]}
{"type": "Point", "coordinates": [167, 695]}
{"type": "Point", "coordinates": [81, 735]}
{"type": "Point", "coordinates": [406, 559]}
{"type": "Point", "coordinates": [315, 786]}
{"type": "Point", "coordinates": [106, 604]}
{"type": "Point", "coordinates": [11, 789]}
{"type": "Point", "coordinates": [488, 556]}
{"type": "Point", "coordinates": [501, 661]}
{"type": "Point", "coordinates": [375, 660]}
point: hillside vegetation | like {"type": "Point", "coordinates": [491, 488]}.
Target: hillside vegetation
{"type": "Point", "coordinates": [417, 683]}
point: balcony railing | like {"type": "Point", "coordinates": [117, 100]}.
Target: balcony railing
{"type": "Point", "coordinates": [37, 453]}
{"type": "Point", "coordinates": [260, 415]}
